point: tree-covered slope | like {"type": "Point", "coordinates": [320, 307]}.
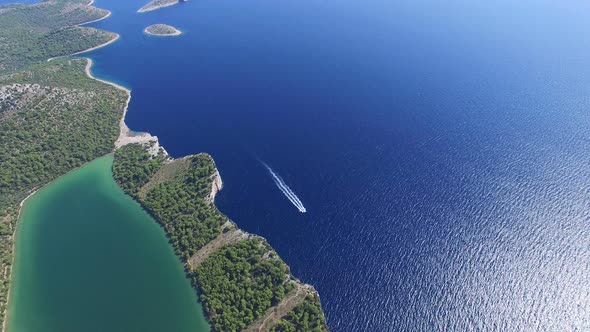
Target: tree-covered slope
{"type": "Point", "coordinates": [240, 282]}
{"type": "Point", "coordinates": [176, 198]}
{"type": "Point", "coordinates": [33, 33]}
{"type": "Point", "coordinates": [157, 4]}
{"type": "Point", "coordinates": [240, 278]}
{"type": "Point", "coordinates": [53, 119]}
{"type": "Point", "coordinates": [307, 316]}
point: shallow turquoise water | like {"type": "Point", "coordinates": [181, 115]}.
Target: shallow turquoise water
{"type": "Point", "coordinates": [89, 258]}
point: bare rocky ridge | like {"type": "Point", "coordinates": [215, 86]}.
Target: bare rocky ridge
{"type": "Point", "coordinates": [216, 186]}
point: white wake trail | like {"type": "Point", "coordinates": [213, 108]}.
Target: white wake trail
{"type": "Point", "coordinates": [285, 189]}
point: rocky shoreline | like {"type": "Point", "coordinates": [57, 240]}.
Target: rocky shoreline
{"type": "Point", "coordinates": [229, 234]}
{"type": "Point", "coordinates": [157, 4]}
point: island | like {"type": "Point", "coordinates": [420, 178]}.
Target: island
{"type": "Point", "coordinates": [157, 4]}
{"type": "Point", "coordinates": [162, 30]}
{"type": "Point", "coordinates": [55, 117]}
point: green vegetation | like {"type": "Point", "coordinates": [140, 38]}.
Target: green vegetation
{"type": "Point", "coordinates": [307, 316]}
{"type": "Point", "coordinates": [162, 30]}
{"type": "Point", "coordinates": [179, 202]}
{"type": "Point", "coordinates": [134, 167]}
{"type": "Point", "coordinates": [33, 33]}
{"type": "Point", "coordinates": [157, 4]}
{"type": "Point", "coordinates": [240, 282]}
{"type": "Point", "coordinates": [53, 119]}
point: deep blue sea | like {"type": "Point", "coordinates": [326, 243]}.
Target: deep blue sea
{"type": "Point", "coordinates": [9, 2]}
{"type": "Point", "coordinates": [440, 148]}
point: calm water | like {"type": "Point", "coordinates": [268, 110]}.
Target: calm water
{"type": "Point", "coordinates": [90, 259]}
{"type": "Point", "coordinates": [8, 2]}
{"type": "Point", "coordinates": [441, 149]}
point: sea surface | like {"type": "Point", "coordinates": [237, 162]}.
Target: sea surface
{"type": "Point", "coordinates": [90, 259]}
{"type": "Point", "coordinates": [9, 2]}
{"type": "Point", "coordinates": [441, 149]}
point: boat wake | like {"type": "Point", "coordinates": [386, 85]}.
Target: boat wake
{"type": "Point", "coordinates": [285, 189]}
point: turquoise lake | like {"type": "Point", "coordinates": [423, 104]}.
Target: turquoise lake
{"type": "Point", "coordinates": [89, 258]}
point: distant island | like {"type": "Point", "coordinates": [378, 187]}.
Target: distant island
{"type": "Point", "coordinates": [224, 262]}
{"type": "Point", "coordinates": [162, 30]}
{"type": "Point", "coordinates": [157, 4]}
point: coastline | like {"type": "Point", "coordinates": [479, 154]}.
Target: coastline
{"type": "Point", "coordinates": [230, 234]}
{"type": "Point", "coordinates": [20, 209]}
{"type": "Point", "coordinates": [117, 36]}
{"type": "Point", "coordinates": [216, 186]}
{"type": "Point", "coordinates": [175, 33]}
{"type": "Point", "coordinates": [149, 8]}
{"type": "Point", "coordinates": [126, 136]}
{"type": "Point", "coordinates": [98, 19]}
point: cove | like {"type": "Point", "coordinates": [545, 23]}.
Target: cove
{"type": "Point", "coordinates": [89, 258]}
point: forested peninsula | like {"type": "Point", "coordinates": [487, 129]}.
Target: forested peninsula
{"type": "Point", "coordinates": [157, 4]}
{"type": "Point", "coordinates": [55, 118]}
{"type": "Point", "coordinates": [243, 283]}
